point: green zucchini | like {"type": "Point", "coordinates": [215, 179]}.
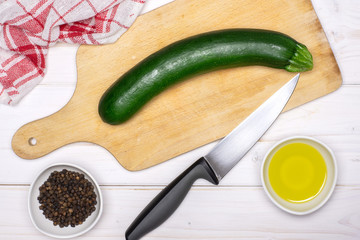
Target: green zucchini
{"type": "Point", "coordinates": [196, 55]}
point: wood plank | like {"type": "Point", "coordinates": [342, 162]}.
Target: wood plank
{"type": "Point", "coordinates": [341, 20]}
{"type": "Point", "coordinates": [207, 213]}
{"type": "Point", "coordinates": [182, 118]}
{"type": "Point", "coordinates": [243, 213]}
{"type": "Point", "coordinates": [332, 119]}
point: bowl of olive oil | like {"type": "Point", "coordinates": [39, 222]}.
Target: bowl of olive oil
{"type": "Point", "coordinates": [299, 174]}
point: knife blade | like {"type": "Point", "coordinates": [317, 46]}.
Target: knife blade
{"type": "Point", "coordinates": [214, 165]}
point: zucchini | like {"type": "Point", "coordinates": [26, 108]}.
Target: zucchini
{"type": "Point", "coordinates": [196, 55]}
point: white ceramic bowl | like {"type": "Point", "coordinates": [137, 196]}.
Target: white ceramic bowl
{"type": "Point", "coordinates": [322, 197]}
{"type": "Point", "coordinates": [45, 225]}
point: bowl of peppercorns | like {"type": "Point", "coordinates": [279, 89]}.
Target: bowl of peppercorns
{"type": "Point", "coordinates": [64, 201]}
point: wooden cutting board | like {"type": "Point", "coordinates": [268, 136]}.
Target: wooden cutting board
{"type": "Point", "coordinates": [194, 112]}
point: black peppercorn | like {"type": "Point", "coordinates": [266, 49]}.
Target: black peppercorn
{"type": "Point", "coordinates": [67, 198]}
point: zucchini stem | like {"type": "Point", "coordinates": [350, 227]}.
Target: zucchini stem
{"type": "Point", "coordinates": [301, 60]}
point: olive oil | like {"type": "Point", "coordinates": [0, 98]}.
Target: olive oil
{"type": "Point", "coordinates": [297, 172]}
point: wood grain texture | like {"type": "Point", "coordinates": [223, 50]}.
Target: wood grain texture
{"type": "Point", "coordinates": [333, 119]}
{"type": "Point", "coordinates": [239, 204]}
{"type": "Point", "coordinates": [192, 113]}
{"type": "Point", "coordinates": [203, 215]}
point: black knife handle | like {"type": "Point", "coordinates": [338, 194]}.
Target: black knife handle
{"type": "Point", "coordinates": [169, 199]}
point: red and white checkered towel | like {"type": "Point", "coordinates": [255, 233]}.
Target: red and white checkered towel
{"type": "Point", "coordinates": [28, 28]}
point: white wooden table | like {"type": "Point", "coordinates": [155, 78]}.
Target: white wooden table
{"type": "Point", "coordinates": [236, 209]}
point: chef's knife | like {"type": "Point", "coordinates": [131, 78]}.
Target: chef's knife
{"type": "Point", "coordinates": [214, 165]}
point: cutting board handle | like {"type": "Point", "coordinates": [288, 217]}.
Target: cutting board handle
{"type": "Point", "coordinates": [40, 137]}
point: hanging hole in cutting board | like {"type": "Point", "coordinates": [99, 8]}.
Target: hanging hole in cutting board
{"type": "Point", "coordinates": [32, 141]}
